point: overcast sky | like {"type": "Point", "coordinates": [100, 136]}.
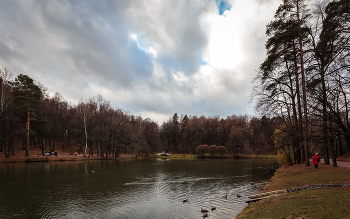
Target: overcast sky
{"type": "Point", "coordinates": [154, 57]}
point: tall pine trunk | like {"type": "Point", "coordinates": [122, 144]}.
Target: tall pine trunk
{"type": "Point", "coordinates": [300, 114]}
{"type": "Point", "coordinates": [304, 88]}
{"type": "Point", "coordinates": [324, 118]}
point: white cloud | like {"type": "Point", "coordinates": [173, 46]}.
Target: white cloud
{"type": "Point", "coordinates": [150, 58]}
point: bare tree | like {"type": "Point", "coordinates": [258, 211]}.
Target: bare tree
{"type": "Point", "coordinates": [84, 113]}
{"type": "Point", "coordinates": [5, 75]}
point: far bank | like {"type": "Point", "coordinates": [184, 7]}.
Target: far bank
{"type": "Point", "coordinates": [36, 156]}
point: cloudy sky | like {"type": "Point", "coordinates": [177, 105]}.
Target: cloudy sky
{"type": "Point", "coordinates": [154, 57]}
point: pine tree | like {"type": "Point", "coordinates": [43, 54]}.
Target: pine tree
{"type": "Point", "coordinates": [279, 74]}
{"type": "Point", "coordinates": [26, 99]}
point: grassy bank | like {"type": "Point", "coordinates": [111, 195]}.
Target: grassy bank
{"type": "Point", "coordinates": [183, 156]}
{"type": "Point", "coordinates": [315, 203]}
{"type": "Point", "coordinates": [216, 156]}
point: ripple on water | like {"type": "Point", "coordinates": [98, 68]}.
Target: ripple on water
{"type": "Point", "coordinates": [151, 190]}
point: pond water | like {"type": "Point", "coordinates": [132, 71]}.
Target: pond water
{"type": "Point", "coordinates": [130, 189]}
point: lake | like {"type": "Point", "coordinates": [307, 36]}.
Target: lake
{"type": "Point", "coordinates": [130, 189]}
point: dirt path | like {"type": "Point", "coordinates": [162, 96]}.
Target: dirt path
{"type": "Point", "coordinates": [339, 163]}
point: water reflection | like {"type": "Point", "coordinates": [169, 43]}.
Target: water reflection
{"type": "Point", "coordinates": [142, 189]}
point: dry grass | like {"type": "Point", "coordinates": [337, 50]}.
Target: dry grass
{"type": "Point", "coordinates": [300, 175]}
{"type": "Point", "coordinates": [315, 203]}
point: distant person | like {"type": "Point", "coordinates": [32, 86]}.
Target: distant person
{"type": "Point", "coordinates": [75, 153]}
{"type": "Point", "coordinates": [316, 159]}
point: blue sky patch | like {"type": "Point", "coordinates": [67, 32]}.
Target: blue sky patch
{"type": "Point", "coordinates": [201, 60]}
{"type": "Point", "coordinates": [222, 6]}
{"type": "Point", "coordinates": [139, 40]}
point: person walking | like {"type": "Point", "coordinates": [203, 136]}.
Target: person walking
{"type": "Point", "coordinates": [316, 159]}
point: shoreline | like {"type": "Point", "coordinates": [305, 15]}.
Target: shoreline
{"type": "Point", "coordinates": [35, 156]}
{"type": "Point", "coordinates": [322, 197]}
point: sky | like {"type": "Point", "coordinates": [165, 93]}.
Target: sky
{"type": "Point", "coordinates": [151, 58]}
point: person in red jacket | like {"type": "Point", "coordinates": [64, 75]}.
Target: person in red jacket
{"type": "Point", "coordinates": [316, 159]}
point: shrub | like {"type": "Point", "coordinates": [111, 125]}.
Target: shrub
{"type": "Point", "coordinates": [202, 149]}
{"type": "Point", "coordinates": [222, 150]}
{"type": "Point", "coordinates": [213, 149]}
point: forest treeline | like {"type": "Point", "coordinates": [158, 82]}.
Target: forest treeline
{"type": "Point", "coordinates": [96, 128]}
{"type": "Point", "coordinates": [304, 81]}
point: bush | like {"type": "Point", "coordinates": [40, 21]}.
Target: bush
{"type": "Point", "coordinates": [222, 150]}
{"type": "Point", "coordinates": [202, 149]}
{"type": "Point", "coordinates": [213, 149]}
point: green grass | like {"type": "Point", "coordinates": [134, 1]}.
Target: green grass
{"type": "Point", "coordinates": [315, 203]}
{"type": "Point", "coordinates": [183, 156]}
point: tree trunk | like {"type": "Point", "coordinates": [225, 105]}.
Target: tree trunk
{"type": "Point", "coordinates": [334, 159]}
{"type": "Point", "coordinates": [42, 145]}
{"type": "Point", "coordinates": [304, 89]}
{"type": "Point", "coordinates": [63, 141]}
{"type": "Point", "coordinates": [101, 152]}
{"type": "Point", "coordinates": [1, 143]}
{"type": "Point", "coordinates": [107, 148]}
{"type": "Point", "coordinates": [325, 141]}
{"type": "Point", "coordinates": [27, 148]}
{"type": "Point", "coordinates": [340, 146]}
{"type": "Point", "coordinates": [86, 138]}
{"type": "Point", "coordinates": [295, 126]}
{"type": "Point", "coordinates": [324, 117]}
{"type": "Point", "coordinates": [68, 139]}
{"type": "Point", "coordinates": [6, 146]}
{"type": "Point", "coordinates": [300, 114]}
